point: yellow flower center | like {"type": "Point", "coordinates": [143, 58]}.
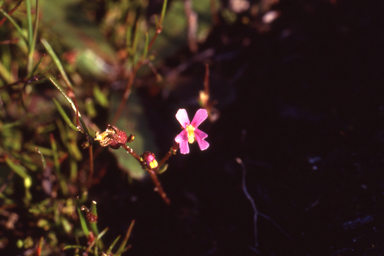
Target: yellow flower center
{"type": "Point", "coordinates": [153, 164]}
{"type": "Point", "coordinates": [191, 133]}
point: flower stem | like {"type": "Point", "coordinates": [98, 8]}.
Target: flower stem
{"type": "Point", "coordinates": [172, 151]}
{"type": "Point", "coordinates": [159, 188]}
{"type": "Point", "coordinates": [133, 153]}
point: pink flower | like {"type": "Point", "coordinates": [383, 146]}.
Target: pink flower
{"type": "Point", "coordinates": [190, 132]}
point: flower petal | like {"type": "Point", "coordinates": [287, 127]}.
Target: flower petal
{"type": "Point", "coordinates": [182, 139]}
{"type": "Point", "coordinates": [184, 148]}
{"type": "Point", "coordinates": [200, 136]}
{"type": "Point", "coordinates": [182, 117]}
{"type": "Point", "coordinates": [199, 117]}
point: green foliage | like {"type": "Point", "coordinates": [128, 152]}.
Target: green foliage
{"type": "Point", "coordinates": [46, 113]}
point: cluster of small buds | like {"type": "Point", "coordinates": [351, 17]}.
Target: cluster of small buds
{"type": "Point", "coordinates": [113, 137]}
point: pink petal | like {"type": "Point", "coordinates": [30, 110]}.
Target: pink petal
{"type": "Point", "coordinates": [184, 148]}
{"type": "Point", "coordinates": [199, 117]}
{"type": "Point", "coordinates": [182, 139]}
{"type": "Point", "coordinates": [200, 136]}
{"type": "Point", "coordinates": [182, 117]}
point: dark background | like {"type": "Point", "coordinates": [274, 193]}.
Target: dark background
{"type": "Point", "coordinates": [301, 103]}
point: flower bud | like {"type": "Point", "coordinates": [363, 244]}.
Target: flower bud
{"type": "Point", "coordinates": [149, 160]}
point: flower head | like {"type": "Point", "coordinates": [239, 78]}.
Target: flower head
{"type": "Point", "coordinates": [112, 137]}
{"type": "Point", "coordinates": [190, 132]}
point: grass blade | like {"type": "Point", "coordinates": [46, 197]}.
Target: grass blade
{"type": "Point", "coordinates": [57, 61]}
{"type": "Point", "coordinates": [83, 222]}
{"type": "Point", "coordinates": [113, 245]}
{"type": "Point", "coordinates": [74, 247]}
{"type": "Point", "coordinates": [5, 74]}
{"type": "Point", "coordinates": [29, 22]}
{"type": "Point", "coordinates": [56, 164]}
{"type": "Point", "coordinates": [122, 246]}
{"type": "Point", "coordinates": [42, 158]}
{"type": "Point", "coordinates": [34, 36]}
{"type": "Point", "coordinates": [22, 172]}
{"type": "Point", "coordinates": [83, 127]}
{"type": "Point", "coordinates": [64, 115]}
{"type": "Point", "coordinates": [163, 12]}
{"type": "Point", "coordinates": [56, 84]}
{"type": "Point", "coordinates": [93, 218]}
{"type": "Point", "coordinates": [30, 74]}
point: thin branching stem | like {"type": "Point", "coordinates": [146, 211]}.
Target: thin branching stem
{"type": "Point", "coordinates": [249, 197]}
{"type": "Point", "coordinates": [90, 166]}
